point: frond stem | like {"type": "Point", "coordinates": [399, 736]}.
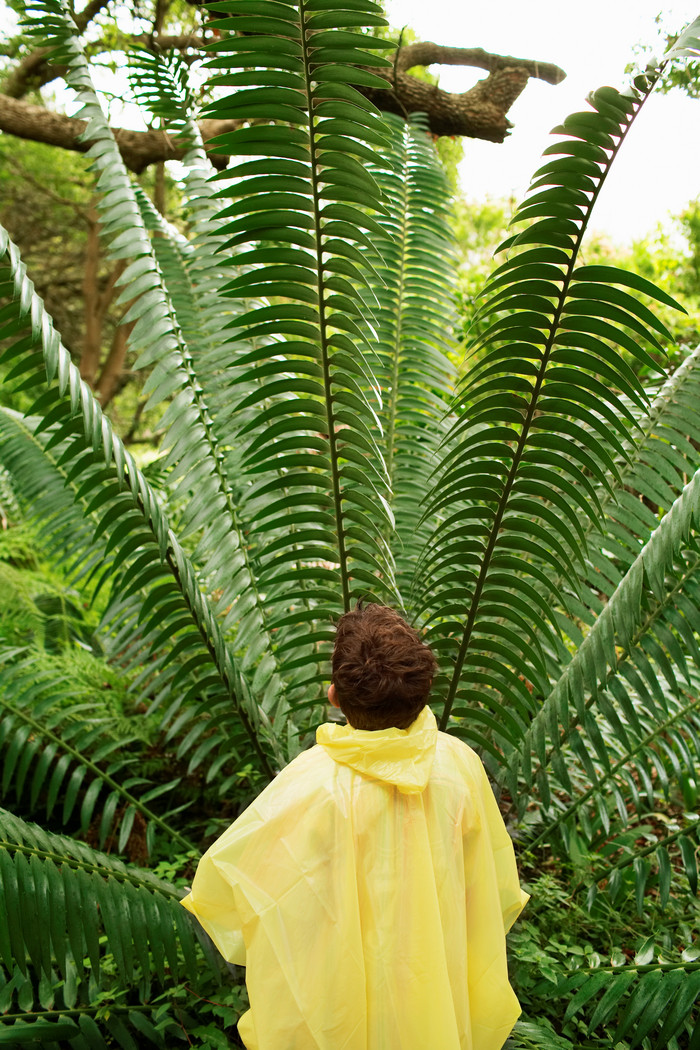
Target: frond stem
{"type": "Point", "coordinates": [79, 1011]}
{"type": "Point", "coordinates": [323, 321]}
{"type": "Point", "coordinates": [84, 865]}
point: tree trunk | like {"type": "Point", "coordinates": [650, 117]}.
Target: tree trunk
{"type": "Point", "coordinates": [109, 384]}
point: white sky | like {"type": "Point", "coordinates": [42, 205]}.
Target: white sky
{"type": "Point", "coordinates": [658, 169]}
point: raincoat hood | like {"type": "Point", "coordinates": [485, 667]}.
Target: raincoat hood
{"type": "Point", "coordinates": [402, 757]}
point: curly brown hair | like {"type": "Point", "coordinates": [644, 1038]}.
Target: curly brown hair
{"type": "Point", "coordinates": [382, 671]}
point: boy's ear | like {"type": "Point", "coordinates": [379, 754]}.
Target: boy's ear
{"type": "Point", "coordinates": [331, 696]}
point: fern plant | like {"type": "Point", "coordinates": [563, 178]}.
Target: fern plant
{"type": "Point", "coordinates": [539, 522]}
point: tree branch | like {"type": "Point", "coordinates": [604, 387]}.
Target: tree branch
{"type": "Point", "coordinates": [35, 69]}
{"type": "Point", "coordinates": [138, 148]}
{"type": "Point", "coordinates": [479, 112]}
{"type": "Point", "coordinates": [424, 53]}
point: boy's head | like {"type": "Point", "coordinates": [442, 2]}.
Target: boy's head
{"type": "Point", "coordinates": [382, 671]}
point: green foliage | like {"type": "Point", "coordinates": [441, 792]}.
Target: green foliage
{"type": "Point", "coordinates": [668, 257]}
{"type": "Point", "coordinates": [538, 517]}
{"type": "Point", "coordinates": [689, 221]}
{"type": "Point", "coordinates": [87, 940]}
{"type": "Point", "coordinates": [535, 388]}
{"type": "Point", "coordinates": [581, 988]}
{"type": "Point", "coordinates": [684, 76]}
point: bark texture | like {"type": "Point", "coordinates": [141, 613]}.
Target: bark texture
{"type": "Point", "coordinates": [479, 112]}
{"type": "Point", "coordinates": [138, 148]}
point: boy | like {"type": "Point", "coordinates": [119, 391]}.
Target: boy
{"type": "Point", "coordinates": [369, 888]}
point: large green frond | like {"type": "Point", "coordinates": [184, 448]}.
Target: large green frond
{"type": "Point", "coordinates": [618, 739]}
{"type": "Point", "coordinates": [132, 522]}
{"type": "Point", "coordinates": [297, 199]}
{"type": "Point", "coordinates": [153, 654]}
{"type": "Point", "coordinates": [624, 766]}
{"type": "Point", "coordinates": [196, 457]}
{"type": "Point", "coordinates": [61, 754]}
{"type": "Point", "coordinates": [225, 563]}
{"type": "Point", "coordinates": [629, 630]}
{"type": "Point", "coordinates": [536, 427]}
{"type": "Point", "coordinates": [413, 280]}
{"type": "Point", "coordinates": [651, 476]}
{"type": "Point", "coordinates": [78, 921]}
{"type": "Point", "coordinates": [650, 997]}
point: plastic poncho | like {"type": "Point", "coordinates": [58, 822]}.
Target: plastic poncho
{"type": "Point", "coordinates": [368, 891]}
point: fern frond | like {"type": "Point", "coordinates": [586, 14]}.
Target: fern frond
{"type": "Point", "coordinates": [413, 280]}
{"type": "Point", "coordinates": [59, 752]}
{"type": "Point", "coordinates": [194, 274]}
{"type": "Point", "coordinates": [51, 499]}
{"type": "Point", "coordinates": [633, 1000]}
{"type": "Point", "coordinates": [536, 425]}
{"type": "Point", "coordinates": [626, 764]}
{"type": "Point", "coordinates": [142, 537]}
{"type": "Point", "coordinates": [81, 878]}
{"type": "Point", "coordinates": [651, 477]}
{"type": "Point", "coordinates": [74, 917]}
{"type": "Point", "coordinates": [149, 652]}
{"type": "Point", "coordinates": [195, 453]}
{"type": "Point", "coordinates": [300, 210]}
{"type": "Point", "coordinates": [617, 641]}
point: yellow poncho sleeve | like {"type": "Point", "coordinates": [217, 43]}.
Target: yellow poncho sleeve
{"type": "Point", "coordinates": [512, 898]}
{"type": "Point", "coordinates": [214, 905]}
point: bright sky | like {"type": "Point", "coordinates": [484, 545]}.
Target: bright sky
{"type": "Point", "coordinates": [658, 169]}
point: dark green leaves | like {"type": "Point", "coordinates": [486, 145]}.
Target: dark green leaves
{"type": "Point", "coordinates": [321, 466]}
{"type": "Point", "coordinates": [73, 912]}
{"type": "Point", "coordinates": [542, 411]}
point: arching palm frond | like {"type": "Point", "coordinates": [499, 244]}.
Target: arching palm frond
{"type": "Point", "coordinates": [624, 765]}
{"type": "Point", "coordinates": [190, 436]}
{"type": "Point", "coordinates": [297, 199]}
{"type": "Point", "coordinates": [74, 917]}
{"type": "Point", "coordinates": [412, 277]}
{"type": "Point", "coordinates": [129, 509]}
{"type": "Point", "coordinates": [537, 424]}
{"type": "Point", "coordinates": [48, 480]}
{"type": "Point", "coordinates": [65, 756]}
{"type": "Point", "coordinates": [226, 566]}
{"type": "Point", "coordinates": [48, 494]}
{"type": "Point", "coordinates": [651, 475]}
{"type": "Point", "coordinates": [621, 728]}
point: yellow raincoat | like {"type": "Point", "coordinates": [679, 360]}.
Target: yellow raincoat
{"type": "Point", "coordinates": [368, 891]}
